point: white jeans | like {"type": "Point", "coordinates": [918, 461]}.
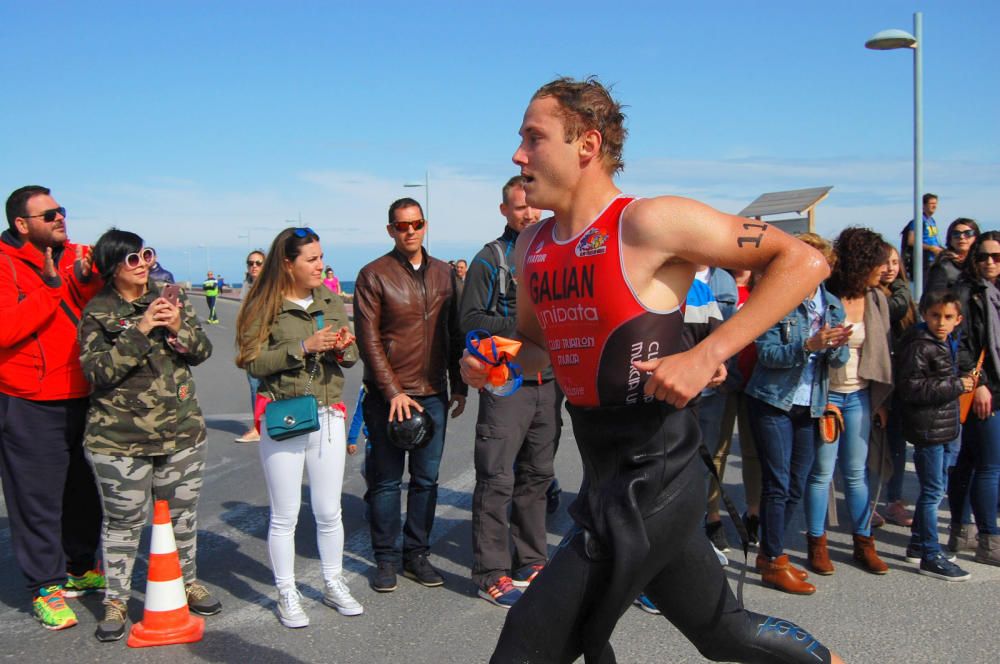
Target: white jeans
{"type": "Point", "coordinates": [322, 453]}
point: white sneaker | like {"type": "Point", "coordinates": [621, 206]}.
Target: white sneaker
{"type": "Point", "coordinates": [290, 611]}
{"type": "Point", "coordinates": [338, 596]}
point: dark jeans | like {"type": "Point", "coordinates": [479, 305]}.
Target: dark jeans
{"type": "Point", "coordinates": [932, 473]}
{"type": "Point", "coordinates": [960, 472]}
{"type": "Point", "coordinates": [897, 452]}
{"type": "Point", "coordinates": [786, 445]}
{"type": "Point", "coordinates": [49, 488]}
{"type": "Point", "coordinates": [981, 447]}
{"type": "Point", "coordinates": [514, 450]}
{"type": "Point", "coordinates": [384, 468]}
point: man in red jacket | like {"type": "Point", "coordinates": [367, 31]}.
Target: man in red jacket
{"type": "Point", "coordinates": [49, 488]}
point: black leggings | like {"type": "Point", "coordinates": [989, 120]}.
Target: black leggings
{"type": "Point", "coordinates": [681, 575]}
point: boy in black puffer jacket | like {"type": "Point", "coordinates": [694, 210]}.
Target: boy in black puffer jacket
{"type": "Point", "coordinates": [928, 386]}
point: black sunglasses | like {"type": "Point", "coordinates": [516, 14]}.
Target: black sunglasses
{"type": "Point", "coordinates": [48, 215]}
{"type": "Point", "coordinates": [251, 263]}
{"type": "Point", "coordinates": [306, 232]}
{"type": "Point", "coordinates": [984, 256]}
{"type": "Point", "coordinates": [966, 233]}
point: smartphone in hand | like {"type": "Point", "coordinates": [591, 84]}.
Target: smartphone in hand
{"type": "Point", "coordinates": [171, 293]}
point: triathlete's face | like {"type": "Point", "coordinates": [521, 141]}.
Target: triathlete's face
{"type": "Point", "coordinates": [548, 163]}
{"type": "Point", "coordinates": [517, 212]}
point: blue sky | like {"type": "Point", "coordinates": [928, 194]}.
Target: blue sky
{"type": "Point", "coordinates": [197, 124]}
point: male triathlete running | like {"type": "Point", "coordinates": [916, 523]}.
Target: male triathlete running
{"type": "Point", "coordinates": [598, 296]}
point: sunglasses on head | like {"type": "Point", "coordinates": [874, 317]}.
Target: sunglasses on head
{"type": "Point", "coordinates": [305, 231]}
{"type": "Point", "coordinates": [962, 234]}
{"type": "Point", "coordinates": [146, 255]}
{"type": "Point", "coordinates": [48, 215]}
{"type": "Point", "coordinates": [403, 226]}
{"type": "Point", "coordinates": [984, 256]}
{"type": "Point", "coordinates": [253, 262]}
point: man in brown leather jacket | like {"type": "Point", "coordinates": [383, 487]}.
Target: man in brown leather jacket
{"type": "Point", "coordinates": [406, 321]}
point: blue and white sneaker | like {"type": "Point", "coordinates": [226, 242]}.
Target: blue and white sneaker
{"type": "Point", "coordinates": [940, 568]}
{"type": "Point", "coordinates": [646, 604]}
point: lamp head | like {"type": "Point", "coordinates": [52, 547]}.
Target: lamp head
{"type": "Point", "coordinates": [888, 40]}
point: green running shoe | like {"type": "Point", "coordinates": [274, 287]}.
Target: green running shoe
{"type": "Point", "coordinates": [89, 582]}
{"type": "Point", "coordinates": [51, 610]}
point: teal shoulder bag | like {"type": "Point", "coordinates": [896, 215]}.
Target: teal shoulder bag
{"type": "Point", "coordinates": [297, 416]}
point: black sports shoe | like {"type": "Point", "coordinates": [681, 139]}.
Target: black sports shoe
{"type": "Point", "coordinates": [200, 601]}
{"type": "Point", "coordinates": [420, 570]}
{"type": "Point", "coordinates": [752, 523]}
{"type": "Point", "coordinates": [384, 580]}
{"type": "Point", "coordinates": [915, 554]}
{"type": "Point", "coordinates": [717, 534]}
{"type": "Point", "coordinates": [940, 568]}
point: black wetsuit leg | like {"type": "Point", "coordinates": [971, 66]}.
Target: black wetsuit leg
{"type": "Point", "coordinates": [681, 574]}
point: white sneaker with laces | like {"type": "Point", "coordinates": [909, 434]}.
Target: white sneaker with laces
{"type": "Point", "coordinates": [290, 611]}
{"type": "Point", "coordinates": [338, 596]}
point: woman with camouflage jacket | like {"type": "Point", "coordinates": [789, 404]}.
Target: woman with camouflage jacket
{"type": "Point", "coordinates": [292, 333]}
{"type": "Point", "coordinates": [145, 431]}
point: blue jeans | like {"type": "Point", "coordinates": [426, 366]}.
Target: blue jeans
{"type": "Point", "coordinates": [786, 448]}
{"type": "Point", "coordinates": [932, 472]}
{"type": "Point", "coordinates": [254, 385]}
{"type": "Point", "coordinates": [385, 470]}
{"type": "Point", "coordinates": [852, 450]}
{"type": "Point", "coordinates": [981, 446]}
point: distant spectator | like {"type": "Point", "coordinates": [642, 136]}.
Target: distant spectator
{"type": "Point", "coordinates": [461, 269]}
{"type": "Point", "coordinates": [932, 243]}
{"type": "Point", "coordinates": [948, 267]}
{"type": "Point", "coordinates": [255, 262]}
{"type": "Point", "coordinates": [211, 288]}
{"type": "Point", "coordinates": [331, 281]}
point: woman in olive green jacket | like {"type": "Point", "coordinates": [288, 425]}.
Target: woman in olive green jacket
{"type": "Point", "coordinates": [292, 333]}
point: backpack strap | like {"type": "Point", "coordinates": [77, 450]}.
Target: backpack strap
{"type": "Point", "coordinates": [505, 276]}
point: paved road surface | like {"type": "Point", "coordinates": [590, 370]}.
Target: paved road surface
{"type": "Point", "coordinates": [902, 617]}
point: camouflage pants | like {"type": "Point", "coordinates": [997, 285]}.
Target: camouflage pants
{"type": "Point", "coordinates": [125, 484]}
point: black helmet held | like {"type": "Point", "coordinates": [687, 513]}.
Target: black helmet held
{"type": "Point", "coordinates": [411, 434]}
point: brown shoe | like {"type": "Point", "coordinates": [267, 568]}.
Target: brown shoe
{"type": "Point", "coordinates": [778, 574]}
{"type": "Point", "coordinates": [864, 553]}
{"type": "Point", "coordinates": [800, 573]}
{"type": "Point", "coordinates": [819, 556]}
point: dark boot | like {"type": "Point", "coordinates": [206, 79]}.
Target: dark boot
{"type": "Point", "coordinates": [864, 553]}
{"type": "Point", "coordinates": [778, 573]}
{"type": "Point", "coordinates": [819, 557]}
{"type": "Point", "coordinates": [988, 551]}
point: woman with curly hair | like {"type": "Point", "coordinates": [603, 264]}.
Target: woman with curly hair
{"type": "Point", "coordinates": [860, 389]}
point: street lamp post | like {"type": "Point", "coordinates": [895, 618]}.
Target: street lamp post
{"type": "Point", "coordinates": [426, 184]}
{"type": "Point", "coordinates": [885, 41]}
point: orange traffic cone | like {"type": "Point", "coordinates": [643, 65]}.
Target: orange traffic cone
{"type": "Point", "coordinates": [166, 619]}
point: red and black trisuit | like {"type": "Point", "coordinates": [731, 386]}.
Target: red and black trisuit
{"type": "Point", "coordinates": [639, 511]}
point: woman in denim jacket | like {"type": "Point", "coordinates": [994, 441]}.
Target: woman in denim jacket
{"type": "Point", "coordinates": [787, 393]}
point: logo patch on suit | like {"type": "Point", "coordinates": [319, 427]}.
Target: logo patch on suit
{"type": "Point", "coordinates": [593, 243]}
